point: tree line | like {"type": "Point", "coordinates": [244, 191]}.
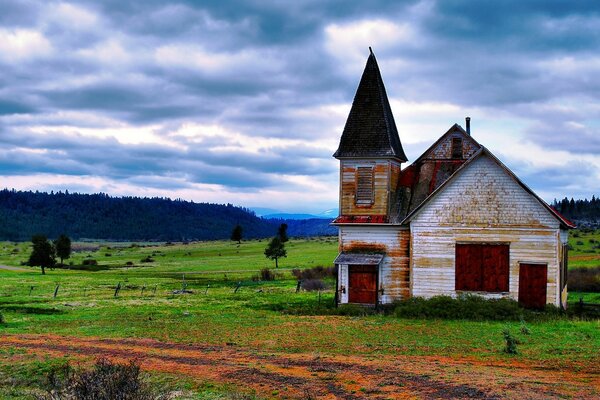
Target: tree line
{"type": "Point", "coordinates": [579, 210]}
{"type": "Point", "coordinates": [100, 216]}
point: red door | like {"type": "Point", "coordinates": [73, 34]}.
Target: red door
{"type": "Point", "coordinates": [533, 280]}
{"type": "Point", "coordinates": [363, 284]}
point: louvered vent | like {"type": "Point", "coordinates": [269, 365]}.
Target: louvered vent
{"type": "Point", "coordinates": [364, 185]}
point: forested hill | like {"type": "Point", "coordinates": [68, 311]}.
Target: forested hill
{"type": "Point", "coordinates": [99, 216]}
{"type": "Point", "coordinates": [583, 212]}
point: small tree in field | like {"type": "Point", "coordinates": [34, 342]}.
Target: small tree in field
{"type": "Point", "coordinates": [63, 248]}
{"type": "Point", "coordinates": [43, 254]}
{"type": "Point", "coordinates": [275, 249]}
{"type": "Point", "coordinates": [236, 234]}
{"type": "Point", "coordinates": [282, 233]}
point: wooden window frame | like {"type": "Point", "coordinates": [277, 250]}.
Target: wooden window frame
{"type": "Point", "coordinates": [365, 191]}
{"type": "Point", "coordinates": [470, 267]}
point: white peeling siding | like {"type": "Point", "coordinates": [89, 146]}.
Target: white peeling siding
{"type": "Point", "coordinates": [484, 194]}
{"type": "Point", "coordinates": [482, 204]}
{"type": "Point", "coordinates": [433, 257]}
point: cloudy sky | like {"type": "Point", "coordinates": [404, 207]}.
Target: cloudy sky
{"type": "Point", "coordinates": [245, 101]}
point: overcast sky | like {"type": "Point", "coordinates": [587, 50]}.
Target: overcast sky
{"type": "Point", "coordinates": [244, 102]}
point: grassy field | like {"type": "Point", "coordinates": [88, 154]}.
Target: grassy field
{"type": "Point", "coordinates": [202, 344]}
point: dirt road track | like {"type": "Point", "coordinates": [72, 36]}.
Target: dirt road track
{"type": "Point", "coordinates": [8, 268]}
{"type": "Point", "coordinates": [301, 376]}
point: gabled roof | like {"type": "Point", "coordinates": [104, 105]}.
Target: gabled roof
{"type": "Point", "coordinates": [417, 181]}
{"type": "Point", "coordinates": [370, 129]}
{"type": "Point", "coordinates": [456, 128]}
{"type": "Point", "coordinates": [565, 223]}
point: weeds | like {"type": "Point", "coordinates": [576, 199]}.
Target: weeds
{"type": "Point", "coordinates": [585, 279]}
{"type": "Point", "coordinates": [467, 307]}
{"type": "Point", "coordinates": [105, 381]}
{"type": "Point", "coordinates": [313, 284]}
{"type": "Point", "coordinates": [318, 272]}
{"type": "Point", "coordinates": [511, 342]}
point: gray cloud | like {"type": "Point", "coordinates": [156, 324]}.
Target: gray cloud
{"type": "Point", "coordinates": [251, 66]}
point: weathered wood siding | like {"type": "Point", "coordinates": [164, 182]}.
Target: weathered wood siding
{"type": "Point", "coordinates": [382, 172]}
{"type": "Point", "coordinates": [394, 269]}
{"type": "Point", "coordinates": [482, 204]}
{"type": "Point", "coordinates": [443, 150]}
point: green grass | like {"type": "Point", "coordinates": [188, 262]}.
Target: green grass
{"type": "Point", "coordinates": [256, 317]}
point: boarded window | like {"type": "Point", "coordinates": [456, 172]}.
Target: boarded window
{"type": "Point", "coordinates": [482, 267]}
{"type": "Point", "coordinates": [457, 148]}
{"type": "Point", "coordinates": [364, 185]}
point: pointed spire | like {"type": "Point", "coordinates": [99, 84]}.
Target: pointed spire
{"type": "Point", "coordinates": [370, 129]}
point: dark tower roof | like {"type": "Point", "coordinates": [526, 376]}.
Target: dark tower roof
{"type": "Point", "coordinates": [370, 129]}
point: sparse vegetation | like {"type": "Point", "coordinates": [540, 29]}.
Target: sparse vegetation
{"type": "Point", "coordinates": [467, 307]}
{"type": "Point", "coordinates": [510, 346]}
{"type": "Point", "coordinates": [318, 272]}
{"type": "Point", "coordinates": [585, 279]}
{"type": "Point", "coordinates": [105, 381]}
{"type": "Point", "coordinates": [264, 317]}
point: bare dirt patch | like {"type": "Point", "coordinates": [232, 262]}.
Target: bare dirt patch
{"type": "Point", "coordinates": [301, 376]}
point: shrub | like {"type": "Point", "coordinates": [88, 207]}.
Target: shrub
{"type": "Point", "coordinates": [129, 263]}
{"type": "Point", "coordinates": [266, 275]}
{"type": "Point", "coordinates": [584, 279]}
{"type": "Point", "coordinates": [147, 259]}
{"type": "Point", "coordinates": [2, 320]}
{"type": "Point", "coordinates": [90, 262]}
{"type": "Point", "coordinates": [354, 310]}
{"type": "Point", "coordinates": [318, 272]}
{"type": "Point", "coordinates": [313, 284]}
{"type": "Point", "coordinates": [469, 307]}
{"type": "Point", "coordinates": [105, 381]}
{"type": "Point", "coordinates": [579, 243]}
{"type": "Point", "coordinates": [511, 342]}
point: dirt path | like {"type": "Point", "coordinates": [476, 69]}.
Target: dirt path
{"type": "Point", "coordinates": [8, 268]}
{"type": "Point", "coordinates": [302, 376]}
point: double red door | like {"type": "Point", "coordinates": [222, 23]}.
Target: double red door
{"type": "Point", "coordinates": [362, 284]}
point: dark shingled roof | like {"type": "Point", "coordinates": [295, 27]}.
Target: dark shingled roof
{"type": "Point", "coordinates": [370, 130]}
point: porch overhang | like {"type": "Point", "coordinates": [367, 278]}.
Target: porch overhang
{"type": "Point", "coordinates": [358, 259]}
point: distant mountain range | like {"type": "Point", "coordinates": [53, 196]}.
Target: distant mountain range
{"type": "Point", "coordinates": [276, 214]}
{"type": "Point", "coordinates": [103, 217]}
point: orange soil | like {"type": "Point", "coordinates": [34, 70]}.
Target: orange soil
{"type": "Point", "coordinates": [325, 377]}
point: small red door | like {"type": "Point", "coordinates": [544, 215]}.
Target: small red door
{"type": "Point", "coordinates": [533, 282]}
{"type": "Point", "coordinates": [363, 284]}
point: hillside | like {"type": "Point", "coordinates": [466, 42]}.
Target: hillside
{"type": "Point", "coordinates": [99, 216]}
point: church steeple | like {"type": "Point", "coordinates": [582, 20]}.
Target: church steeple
{"type": "Point", "coordinates": [370, 130]}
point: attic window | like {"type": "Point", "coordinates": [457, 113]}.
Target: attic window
{"type": "Point", "coordinates": [364, 185]}
{"type": "Point", "coordinates": [457, 151]}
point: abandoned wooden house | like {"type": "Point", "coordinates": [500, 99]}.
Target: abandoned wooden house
{"type": "Point", "coordinates": [456, 220]}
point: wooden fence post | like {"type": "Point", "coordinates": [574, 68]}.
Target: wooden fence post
{"type": "Point", "coordinates": [298, 285]}
{"type": "Point", "coordinates": [30, 290]}
{"type": "Point", "coordinates": [117, 289]}
{"type": "Point", "coordinates": [56, 291]}
{"type": "Point", "coordinates": [238, 287]}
